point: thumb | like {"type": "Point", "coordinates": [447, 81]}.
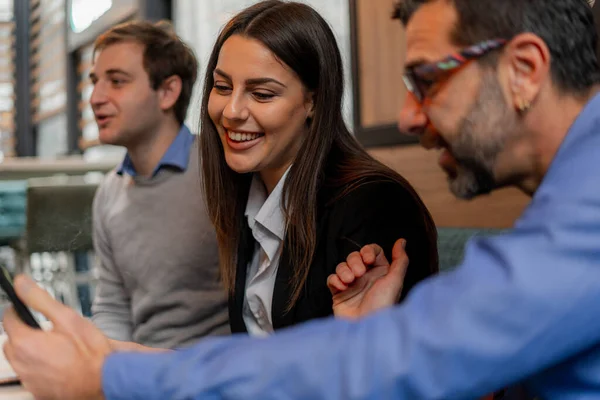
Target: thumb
{"type": "Point", "coordinates": [397, 271]}
{"type": "Point", "coordinates": [39, 300]}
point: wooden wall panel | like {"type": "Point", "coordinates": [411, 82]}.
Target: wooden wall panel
{"type": "Point", "coordinates": [381, 48]}
{"type": "Point", "coordinates": [419, 166]}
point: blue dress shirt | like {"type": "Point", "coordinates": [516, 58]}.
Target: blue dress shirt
{"type": "Point", "coordinates": [177, 155]}
{"type": "Point", "coordinates": [523, 307]}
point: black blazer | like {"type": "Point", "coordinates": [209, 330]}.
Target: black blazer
{"type": "Point", "coordinates": [377, 212]}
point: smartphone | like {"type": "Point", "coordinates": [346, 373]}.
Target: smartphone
{"type": "Point", "coordinates": [21, 309]}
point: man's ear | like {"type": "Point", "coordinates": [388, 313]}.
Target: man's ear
{"type": "Point", "coordinates": [169, 92]}
{"type": "Point", "coordinates": [528, 61]}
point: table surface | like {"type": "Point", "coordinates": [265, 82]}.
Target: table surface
{"type": "Point", "coordinates": [10, 391]}
{"type": "Point", "coordinates": [14, 392]}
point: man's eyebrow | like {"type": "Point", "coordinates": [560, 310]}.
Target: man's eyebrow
{"type": "Point", "coordinates": [113, 71]}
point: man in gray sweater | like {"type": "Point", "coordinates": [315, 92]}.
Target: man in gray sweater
{"type": "Point", "coordinates": [157, 251]}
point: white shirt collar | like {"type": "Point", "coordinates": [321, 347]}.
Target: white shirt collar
{"type": "Point", "coordinates": [267, 211]}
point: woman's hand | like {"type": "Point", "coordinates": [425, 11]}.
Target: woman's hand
{"type": "Point", "coordinates": [367, 282]}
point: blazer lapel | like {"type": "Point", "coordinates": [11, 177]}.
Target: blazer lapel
{"type": "Point", "coordinates": [236, 302]}
{"type": "Point", "coordinates": [282, 291]}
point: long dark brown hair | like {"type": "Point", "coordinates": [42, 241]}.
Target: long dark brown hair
{"type": "Point", "coordinates": [299, 37]}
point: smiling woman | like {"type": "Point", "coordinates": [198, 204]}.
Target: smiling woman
{"type": "Point", "coordinates": [290, 191]}
{"type": "Point", "coordinates": [260, 109]}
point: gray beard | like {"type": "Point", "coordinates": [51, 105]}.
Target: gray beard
{"type": "Point", "coordinates": [483, 133]}
{"type": "Point", "coordinates": [471, 182]}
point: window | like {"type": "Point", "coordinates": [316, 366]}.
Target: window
{"type": "Point", "coordinates": [87, 124]}
{"type": "Point", "coordinates": [48, 62]}
{"type": "Point", "coordinates": [7, 79]}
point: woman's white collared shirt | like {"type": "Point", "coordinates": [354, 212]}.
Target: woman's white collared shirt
{"type": "Point", "coordinates": [267, 222]}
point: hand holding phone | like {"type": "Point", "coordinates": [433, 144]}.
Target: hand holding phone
{"type": "Point", "coordinates": [21, 309]}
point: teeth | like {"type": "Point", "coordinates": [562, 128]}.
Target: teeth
{"type": "Point", "coordinates": [242, 137]}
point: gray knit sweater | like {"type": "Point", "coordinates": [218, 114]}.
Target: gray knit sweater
{"type": "Point", "coordinates": [157, 260]}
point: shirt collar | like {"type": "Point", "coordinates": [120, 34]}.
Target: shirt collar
{"type": "Point", "coordinates": [586, 124]}
{"type": "Point", "coordinates": [267, 211]}
{"type": "Point", "coordinates": [177, 155]}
